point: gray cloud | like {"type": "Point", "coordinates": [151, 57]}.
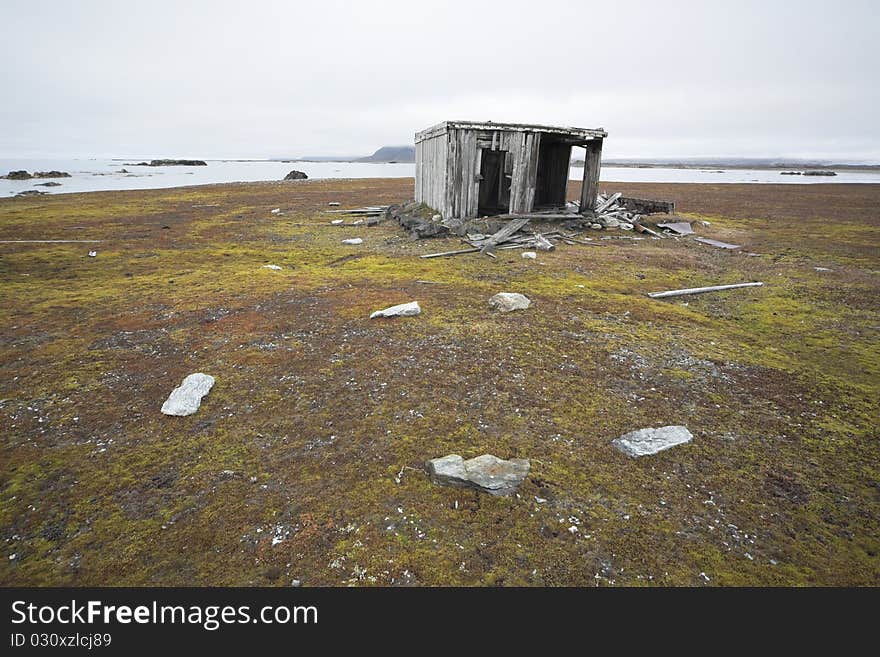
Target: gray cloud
{"type": "Point", "coordinates": [213, 79]}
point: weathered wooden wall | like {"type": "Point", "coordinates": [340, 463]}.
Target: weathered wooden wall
{"type": "Point", "coordinates": [590, 187]}
{"type": "Point", "coordinates": [431, 180]}
{"type": "Point", "coordinates": [463, 168]}
{"type": "Point", "coordinates": [448, 163]}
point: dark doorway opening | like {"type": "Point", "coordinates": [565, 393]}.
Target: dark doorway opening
{"type": "Point", "coordinates": [494, 184]}
{"type": "Point", "coordinates": [552, 179]}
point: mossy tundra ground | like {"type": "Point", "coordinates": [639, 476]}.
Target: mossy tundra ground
{"type": "Point", "coordinates": [305, 460]}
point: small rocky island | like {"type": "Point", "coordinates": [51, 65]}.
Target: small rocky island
{"type": "Point", "coordinates": [296, 175]}
{"type": "Point", "coordinates": [170, 163]}
{"type": "Point", "coordinates": [24, 175]}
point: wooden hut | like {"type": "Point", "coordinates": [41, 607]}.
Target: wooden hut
{"type": "Point", "coordinates": [466, 169]}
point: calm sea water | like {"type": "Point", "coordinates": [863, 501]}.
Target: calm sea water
{"type": "Point", "coordinates": [89, 175]}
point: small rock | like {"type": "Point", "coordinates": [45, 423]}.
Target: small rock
{"type": "Point", "coordinates": [272, 267]}
{"type": "Point", "coordinates": [821, 268]}
{"type": "Point", "coordinates": [93, 254]}
{"type": "Point", "coordinates": [296, 175]}
{"type": "Point", "coordinates": [509, 301]}
{"type": "Point", "coordinates": [353, 241]}
{"type": "Point", "coordinates": [486, 473]}
{"type": "Point", "coordinates": [644, 442]}
{"type": "Point", "coordinates": [596, 226]}
{"type": "Point", "coordinates": [336, 222]}
{"type": "Point", "coordinates": [296, 583]}
{"type": "Point", "coordinates": [625, 226]}
{"type": "Point", "coordinates": [276, 211]}
{"type": "Point", "coordinates": [332, 204]}
{"type": "Point", "coordinates": [530, 255]}
{"type": "Point", "coordinates": [401, 310]}
{"type": "Point", "coordinates": [186, 399]}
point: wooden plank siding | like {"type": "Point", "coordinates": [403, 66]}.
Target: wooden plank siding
{"type": "Point", "coordinates": [449, 155]}
{"type": "Point", "coordinates": [431, 173]}
{"type": "Point", "coordinates": [590, 187]}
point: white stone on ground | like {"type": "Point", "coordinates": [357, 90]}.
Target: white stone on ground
{"type": "Point", "coordinates": [353, 241]}
{"type": "Point", "coordinates": [509, 301]}
{"type": "Point", "coordinates": [486, 473]}
{"type": "Point", "coordinates": [272, 267]}
{"type": "Point", "coordinates": [186, 399]}
{"type": "Point", "coordinates": [93, 254]}
{"type": "Point", "coordinates": [336, 222]}
{"type": "Point", "coordinates": [401, 310]}
{"type": "Point", "coordinates": [644, 442]}
{"type": "Point", "coordinates": [530, 255]}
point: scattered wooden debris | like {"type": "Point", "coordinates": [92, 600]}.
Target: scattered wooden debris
{"type": "Point", "coordinates": [716, 243]}
{"type": "Point", "coordinates": [373, 210]}
{"type": "Point", "coordinates": [680, 227]}
{"type": "Point", "coordinates": [700, 290]}
{"type": "Point", "coordinates": [503, 235]}
{"type": "Point", "coordinates": [443, 254]}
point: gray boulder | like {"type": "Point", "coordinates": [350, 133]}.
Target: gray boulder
{"type": "Point", "coordinates": [296, 175]}
{"type": "Point", "coordinates": [644, 442]}
{"type": "Point", "coordinates": [509, 301]}
{"type": "Point", "coordinates": [186, 399]}
{"type": "Point", "coordinates": [486, 473]}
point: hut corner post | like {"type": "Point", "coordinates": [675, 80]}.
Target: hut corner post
{"type": "Point", "coordinates": [590, 187]}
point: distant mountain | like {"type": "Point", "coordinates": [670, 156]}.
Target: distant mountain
{"type": "Point", "coordinates": [391, 154]}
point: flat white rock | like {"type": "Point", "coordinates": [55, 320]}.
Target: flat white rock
{"type": "Point", "coordinates": [401, 310]}
{"type": "Point", "coordinates": [186, 399]}
{"type": "Point", "coordinates": [336, 222]}
{"type": "Point", "coordinates": [644, 442]}
{"type": "Point", "coordinates": [354, 241]}
{"type": "Point", "coordinates": [530, 255]}
{"type": "Point", "coordinates": [272, 267]}
{"type": "Point", "coordinates": [509, 301]}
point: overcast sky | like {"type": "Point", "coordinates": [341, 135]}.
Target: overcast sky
{"type": "Point", "coordinates": [268, 79]}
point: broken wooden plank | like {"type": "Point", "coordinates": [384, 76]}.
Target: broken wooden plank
{"type": "Point", "coordinates": [504, 234]}
{"type": "Point", "coordinates": [608, 203]}
{"type": "Point", "coordinates": [539, 215]}
{"type": "Point", "coordinates": [700, 290]}
{"type": "Point", "coordinates": [542, 243]}
{"type": "Point", "coordinates": [449, 253]}
{"type": "Point", "coordinates": [680, 227]}
{"type": "Point", "coordinates": [720, 245]}
{"type": "Point", "coordinates": [644, 229]}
